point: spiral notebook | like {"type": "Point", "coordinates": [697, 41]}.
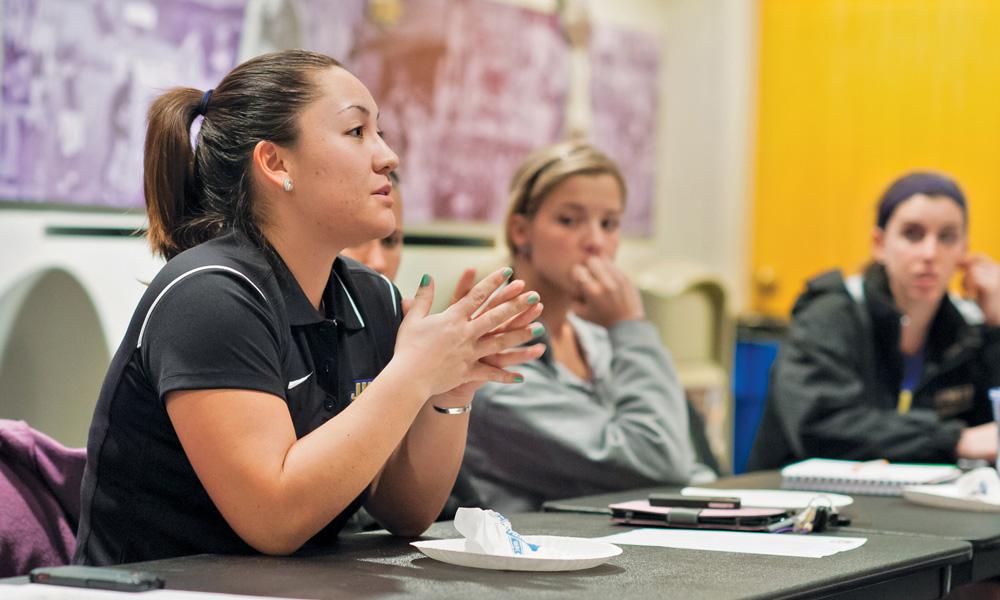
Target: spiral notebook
{"type": "Point", "coordinates": [873, 478]}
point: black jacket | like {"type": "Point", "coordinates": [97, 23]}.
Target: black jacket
{"type": "Point", "coordinates": [835, 383]}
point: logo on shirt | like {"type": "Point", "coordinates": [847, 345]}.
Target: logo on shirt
{"type": "Point", "coordinates": [359, 386]}
{"type": "Point", "coordinates": [299, 381]}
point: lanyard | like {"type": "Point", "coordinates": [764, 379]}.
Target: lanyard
{"type": "Point", "coordinates": [913, 368]}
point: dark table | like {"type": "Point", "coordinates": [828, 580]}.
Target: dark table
{"type": "Point", "coordinates": [869, 514]}
{"type": "Point", "coordinates": [376, 565]}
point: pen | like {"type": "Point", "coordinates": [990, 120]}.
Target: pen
{"type": "Point", "coordinates": [787, 524]}
{"type": "Point", "coordinates": [869, 463]}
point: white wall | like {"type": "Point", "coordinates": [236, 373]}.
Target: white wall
{"type": "Point", "coordinates": [65, 302]}
{"type": "Point", "coordinates": [706, 126]}
{"type": "Point", "coordinates": [111, 269]}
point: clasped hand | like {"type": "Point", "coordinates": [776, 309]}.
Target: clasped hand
{"type": "Point", "coordinates": [453, 353]}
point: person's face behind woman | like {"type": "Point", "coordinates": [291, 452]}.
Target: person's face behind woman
{"type": "Point", "coordinates": [921, 247]}
{"type": "Point", "coordinates": [579, 218]}
{"type": "Point", "coordinates": [384, 254]}
{"type": "Point", "coordinates": [339, 167]}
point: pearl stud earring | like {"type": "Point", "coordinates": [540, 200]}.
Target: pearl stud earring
{"type": "Point", "coordinates": [287, 184]}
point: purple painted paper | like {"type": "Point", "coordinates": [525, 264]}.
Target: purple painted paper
{"type": "Point", "coordinates": [624, 104]}
{"type": "Point", "coordinates": [78, 77]}
{"type": "Point", "coordinates": [466, 89]}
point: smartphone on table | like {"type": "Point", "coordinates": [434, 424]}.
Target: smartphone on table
{"type": "Point", "coordinates": [682, 501]}
{"type": "Point", "coordinates": [103, 578]}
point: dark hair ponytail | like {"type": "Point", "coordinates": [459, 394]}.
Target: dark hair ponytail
{"type": "Point", "coordinates": [168, 163]}
{"type": "Point", "coordinates": [193, 196]}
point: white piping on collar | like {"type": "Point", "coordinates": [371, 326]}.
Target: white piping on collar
{"type": "Point", "coordinates": [392, 292]}
{"type": "Point", "coordinates": [970, 311]}
{"type": "Point", "coordinates": [856, 288]}
{"type": "Point", "coordinates": [351, 300]}
{"type": "Point", "coordinates": [176, 280]}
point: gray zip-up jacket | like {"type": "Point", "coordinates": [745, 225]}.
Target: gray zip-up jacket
{"type": "Point", "coordinates": [558, 436]}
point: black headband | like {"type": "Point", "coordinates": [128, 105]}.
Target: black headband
{"type": "Point", "coordinates": [928, 184]}
{"type": "Point", "coordinates": [529, 186]}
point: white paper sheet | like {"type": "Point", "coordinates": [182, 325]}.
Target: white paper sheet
{"type": "Point", "coordinates": [38, 591]}
{"type": "Point", "coordinates": [806, 546]}
{"type": "Point", "coordinates": [771, 498]}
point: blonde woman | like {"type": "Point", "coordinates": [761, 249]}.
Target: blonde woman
{"type": "Point", "coordinates": [602, 409]}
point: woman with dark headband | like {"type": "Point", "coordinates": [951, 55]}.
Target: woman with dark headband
{"type": "Point", "coordinates": [602, 409]}
{"type": "Point", "coordinates": [266, 388]}
{"type": "Point", "coordinates": [888, 364]}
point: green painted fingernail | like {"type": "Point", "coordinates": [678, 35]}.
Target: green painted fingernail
{"type": "Point", "coordinates": [537, 329]}
{"type": "Point", "coordinates": [533, 298]}
{"type": "Point", "coordinates": [425, 280]}
{"type": "Point", "coordinates": [518, 379]}
{"type": "Point", "coordinates": [507, 272]}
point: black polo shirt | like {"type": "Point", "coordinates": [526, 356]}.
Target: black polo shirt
{"type": "Point", "coordinates": [224, 314]}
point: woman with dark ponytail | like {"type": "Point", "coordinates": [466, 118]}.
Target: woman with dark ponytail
{"type": "Point", "coordinates": [267, 388]}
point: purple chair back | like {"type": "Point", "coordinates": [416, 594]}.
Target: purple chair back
{"type": "Point", "coordinates": [39, 499]}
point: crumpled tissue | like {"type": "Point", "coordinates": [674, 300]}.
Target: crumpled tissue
{"type": "Point", "coordinates": [980, 484]}
{"type": "Point", "coordinates": [489, 532]}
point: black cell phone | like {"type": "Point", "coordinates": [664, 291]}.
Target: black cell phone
{"type": "Point", "coordinates": [682, 501]}
{"type": "Point", "coordinates": [121, 580]}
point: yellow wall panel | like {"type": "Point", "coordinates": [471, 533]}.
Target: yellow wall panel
{"type": "Point", "coordinates": [852, 93]}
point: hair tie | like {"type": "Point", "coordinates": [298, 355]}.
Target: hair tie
{"type": "Point", "coordinates": [203, 105]}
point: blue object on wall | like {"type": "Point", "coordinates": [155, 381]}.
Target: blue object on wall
{"type": "Point", "coordinates": [751, 367]}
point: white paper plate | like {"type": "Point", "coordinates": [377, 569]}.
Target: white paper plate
{"type": "Point", "coordinates": [947, 496]}
{"type": "Point", "coordinates": [788, 500]}
{"type": "Point", "coordinates": [555, 553]}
